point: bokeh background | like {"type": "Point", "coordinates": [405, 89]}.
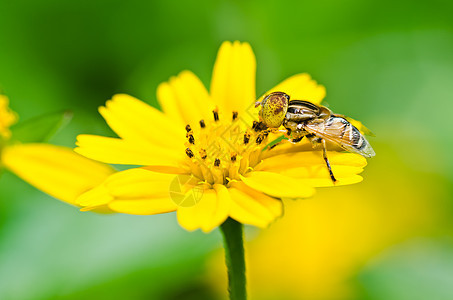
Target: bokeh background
{"type": "Point", "coordinates": [386, 63]}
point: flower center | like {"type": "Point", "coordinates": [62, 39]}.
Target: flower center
{"type": "Point", "coordinates": [218, 151]}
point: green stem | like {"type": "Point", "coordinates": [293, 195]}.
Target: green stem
{"type": "Point", "coordinates": [234, 257]}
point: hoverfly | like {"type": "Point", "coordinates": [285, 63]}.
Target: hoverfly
{"type": "Point", "coordinates": [317, 123]}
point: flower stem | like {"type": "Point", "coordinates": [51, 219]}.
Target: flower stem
{"type": "Point", "coordinates": [234, 257]}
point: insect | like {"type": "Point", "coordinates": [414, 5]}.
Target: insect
{"type": "Point", "coordinates": [317, 123]}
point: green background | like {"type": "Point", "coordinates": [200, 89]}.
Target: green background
{"type": "Point", "coordinates": [386, 63]}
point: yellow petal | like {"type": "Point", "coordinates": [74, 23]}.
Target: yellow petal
{"type": "Point", "coordinates": [135, 120]}
{"type": "Point", "coordinates": [274, 206]}
{"type": "Point", "coordinates": [286, 147]}
{"type": "Point", "coordinates": [118, 151]}
{"type": "Point", "coordinates": [321, 171]}
{"type": "Point", "coordinates": [211, 210]}
{"type": "Point", "coordinates": [185, 97]}
{"type": "Point", "coordinates": [57, 171]}
{"type": "Point", "coordinates": [143, 206]}
{"type": "Point", "coordinates": [312, 170]}
{"type": "Point", "coordinates": [223, 206]}
{"type": "Point", "coordinates": [138, 119]}
{"type": "Point", "coordinates": [193, 217]}
{"type": "Point", "coordinates": [248, 209]}
{"type": "Point", "coordinates": [300, 87]}
{"type": "Point", "coordinates": [168, 170]}
{"type": "Point", "coordinates": [233, 78]}
{"type": "Point", "coordinates": [311, 158]}
{"type": "Point", "coordinates": [277, 185]}
{"type": "Point", "coordinates": [95, 197]}
{"type": "Point", "coordinates": [326, 181]}
{"type": "Point", "coordinates": [102, 209]}
{"type": "Point", "coordinates": [134, 191]}
{"type": "Point", "coordinates": [169, 103]}
{"type": "Point", "coordinates": [139, 183]}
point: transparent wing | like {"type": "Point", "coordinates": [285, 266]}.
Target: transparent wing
{"type": "Point", "coordinates": [357, 124]}
{"type": "Point", "coordinates": [338, 130]}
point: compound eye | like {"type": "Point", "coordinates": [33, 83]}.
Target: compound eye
{"type": "Point", "coordinates": [273, 109]}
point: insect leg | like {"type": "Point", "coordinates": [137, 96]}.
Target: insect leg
{"type": "Point", "coordinates": [297, 140]}
{"type": "Point", "coordinates": [274, 145]}
{"type": "Point", "coordinates": [324, 154]}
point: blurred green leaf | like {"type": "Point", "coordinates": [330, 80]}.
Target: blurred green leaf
{"type": "Point", "coordinates": [417, 270]}
{"type": "Point", "coordinates": [42, 128]}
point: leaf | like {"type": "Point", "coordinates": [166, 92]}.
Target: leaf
{"type": "Point", "coordinates": [41, 129]}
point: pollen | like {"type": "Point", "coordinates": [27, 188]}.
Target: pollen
{"type": "Point", "coordinates": [219, 150]}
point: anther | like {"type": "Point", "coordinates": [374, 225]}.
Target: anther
{"type": "Point", "coordinates": [188, 128]}
{"type": "Point", "coordinates": [235, 115]}
{"type": "Point", "coordinates": [216, 115]}
{"type": "Point", "coordinates": [246, 138]}
{"type": "Point", "coordinates": [202, 124]}
{"type": "Point", "coordinates": [233, 158]}
{"type": "Point", "coordinates": [203, 154]}
{"type": "Point", "coordinates": [273, 146]}
{"type": "Point", "coordinates": [261, 137]}
{"type": "Point", "coordinates": [217, 162]}
{"type": "Point", "coordinates": [191, 139]}
{"type": "Point", "coordinates": [189, 153]}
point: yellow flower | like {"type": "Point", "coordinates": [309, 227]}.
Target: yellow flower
{"type": "Point", "coordinates": [7, 118]}
{"type": "Point", "coordinates": [55, 170]}
{"type": "Point", "coordinates": [201, 157]}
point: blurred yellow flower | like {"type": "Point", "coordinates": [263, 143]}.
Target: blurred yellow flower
{"type": "Point", "coordinates": [203, 156]}
{"type": "Point", "coordinates": [7, 118]}
{"type": "Point", "coordinates": [55, 170]}
{"type": "Point", "coordinates": [321, 245]}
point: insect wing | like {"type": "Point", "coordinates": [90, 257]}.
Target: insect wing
{"type": "Point", "coordinates": [357, 124]}
{"type": "Point", "coordinates": [339, 130]}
